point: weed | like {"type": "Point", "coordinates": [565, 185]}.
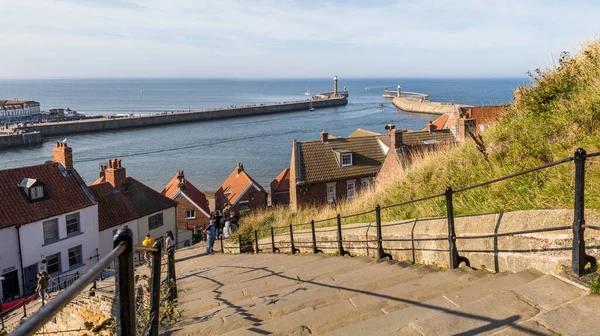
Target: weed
{"type": "Point", "coordinates": [595, 286]}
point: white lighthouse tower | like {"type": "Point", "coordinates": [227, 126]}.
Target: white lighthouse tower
{"type": "Point", "coordinates": [335, 91]}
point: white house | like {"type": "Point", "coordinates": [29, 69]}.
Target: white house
{"type": "Point", "coordinates": [48, 222]}
{"type": "Point", "coordinates": [124, 201]}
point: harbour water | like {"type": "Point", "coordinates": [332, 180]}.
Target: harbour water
{"type": "Point", "coordinates": [208, 151]}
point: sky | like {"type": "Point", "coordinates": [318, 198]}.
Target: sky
{"type": "Point", "coordinates": [289, 38]}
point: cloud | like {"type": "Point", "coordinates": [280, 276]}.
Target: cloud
{"type": "Point", "coordinates": [262, 38]}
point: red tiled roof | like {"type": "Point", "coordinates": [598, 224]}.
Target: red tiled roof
{"type": "Point", "coordinates": [282, 182]}
{"type": "Point", "coordinates": [191, 191]}
{"type": "Point", "coordinates": [235, 185]}
{"type": "Point", "coordinates": [65, 191]}
{"type": "Point", "coordinates": [134, 201]}
{"type": "Point", "coordinates": [439, 123]}
{"type": "Point", "coordinates": [483, 114]}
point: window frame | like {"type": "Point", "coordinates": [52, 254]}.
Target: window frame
{"type": "Point", "coordinates": [348, 184]}
{"type": "Point", "coordinates": [74, 215]}
{"type": "Point", "coordinates": [151, 219]}
{"type": "Point", "coordinates": [246, 205]}
{"type": "Point", "coordinates": [190, 214]}
{"type": "Point", "coordinates": [346, 155]}
{"type": "Point", "coordinates": [58, 263]}
{"type": "Point", "coordinates": [365, 184]}
{"type": "Point", "coordinates": [36, 192]}
{"type": "Point", "coordinates": [80, 250]}
{"type": "Point", "coordinates": [51, 240]}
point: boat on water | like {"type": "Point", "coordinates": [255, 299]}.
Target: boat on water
{"type": "Point", "coordinates": [311, 107]}
{"type": "Point", "coordinates": [307, 93]}
{"type": "Point", "coordinates": [380, 105]}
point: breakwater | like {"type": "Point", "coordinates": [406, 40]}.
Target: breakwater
{"type": "Point", "coordinates": [116, 123]}
{"type": "Point", "coordinates": [425, 106]}
{"type": "Point", "coordinates": [20, 140]}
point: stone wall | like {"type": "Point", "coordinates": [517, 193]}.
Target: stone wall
{"type": "Point", "coordinates": [84, 315]}
{"type": "Point", "coordinates": [20, 140]}
{"type": "Point", "coordinates": [98, 125]}
{"type": "Point", "coordinates": [543, 250]}
{"type": "Point", "coordinates": [424, 106]}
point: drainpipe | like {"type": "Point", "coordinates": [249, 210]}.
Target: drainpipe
{"type": "Point", "coordinates": [22, 272]}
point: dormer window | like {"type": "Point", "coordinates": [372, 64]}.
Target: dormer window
{"type": "Point", "coordinates": [346, 159]}
{"type": "Point", "coordinates": [32, 188]}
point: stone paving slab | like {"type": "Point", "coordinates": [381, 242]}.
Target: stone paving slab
{"type": "Point", "coordinates": [578, 318]}
{"type": "Point", "coordinates": [548, 292]}
{"type": "Point", "coordinates": [526, 328]}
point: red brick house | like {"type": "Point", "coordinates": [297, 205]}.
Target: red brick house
{"type": "Point", "coordinates": [240, 193]}
{"type": "Point", "coordinates": [280, 188]}
{"type": "Point", "coordinates": [326, 170]}
{"type": "Point", "coordinates": [468, 118]}
{"type": "Point", "coordinates": [401, 145]}
{"type": "Point", "coordinates": [192, 209]}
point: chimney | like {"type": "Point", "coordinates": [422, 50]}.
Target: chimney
{"type": "Point", "coordinates": [464, 126]}
{"type": "Point", "coordinates": [63, 154]}
{"type": "Point", "coordinates": [324, 136]}
{"type": "Point", "coordinates": [239, 168]}
{"type": "Point", "coordinates": [181, 180]}
{"type": "Point", "coordinates": [102, 168]}
{"type": "Point", "coordinates": [431, 127]}
{"type": "Point", "coordinates": [395, 136]}
{"type": "Point", "coordinates": [115, 174]}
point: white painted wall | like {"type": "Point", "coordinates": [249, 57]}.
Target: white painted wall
{"type": "Point", "coordinates": [169, 223]}
{"type": "Point", "coordinates": [106, 237]}
{"type": "Point", "coordinates": [9, 254]}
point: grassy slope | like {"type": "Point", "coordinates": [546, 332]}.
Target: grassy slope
{"type": "Point", "coordinates": [557, 114]}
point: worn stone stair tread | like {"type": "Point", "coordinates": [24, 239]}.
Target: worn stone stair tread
{"type": "Point", "coordinates": [485, 316]}
{"type": "Point", "coordinates": [397, 319]}
{"type": "Point", "coordinates": [526, 328]}
{"type": "Point", "coordinates": [548, 292]}
{"type": "Point", "coordinates": [578, 317]}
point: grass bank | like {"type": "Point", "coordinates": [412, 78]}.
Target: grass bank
{"type": "Point", "coordinates": [557, 114]}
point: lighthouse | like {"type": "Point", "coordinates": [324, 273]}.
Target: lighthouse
{"type": "Point", "coordinates": [335, 86]}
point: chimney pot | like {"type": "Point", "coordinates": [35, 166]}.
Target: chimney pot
{"type": "Point", "coordinates": [324, 136]}
{"type": "Point", "coordinates": [115, 174]}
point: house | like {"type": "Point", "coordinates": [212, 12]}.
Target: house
{"type": "Point", "coordinates": [402, 145]}
{"type": "Point", "coordinates": [192, 209]}
{"type": "Point", "coordinates": [48, 222]}
{"type": "Point", "coordinates": [326, 170]}
{"type": "Point", "coordinates": [280, 188]}
{"type": "Point", "coordinates": [467, 118]}
{"type": "Point", "coordinates": [125, 201]}
{"type": "Point", "coordinates": [240, 193]}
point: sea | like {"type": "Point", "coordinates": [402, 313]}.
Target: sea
{"type": "Point", "coordinates": [208, 151]}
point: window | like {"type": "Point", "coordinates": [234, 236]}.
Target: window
{"type": "Point", "coordinates": [72, 224]}
{"type": "Point", "coordinates": [36, 192]}
{"type": "Point", "coordinates": [50, 231]}
{"type": "Point", "coordinates": [365, 183]}
{"type": "Point", "coordinates": [244, 206]}
{"type": "Point", "coordinates": [53, 263]}
{"type": "Point", "coordinates": [155, 221]}
{"type": "Point", "coordinates": [331, 192]}
{"type": "Point", "coordinates": [75, 256]}
{"type": "Point", "coordinates": [190, 214]}
{"type": "Point", "coordinates": [350, 189]}
{"type": "Point", "coordinates": [346, 159]}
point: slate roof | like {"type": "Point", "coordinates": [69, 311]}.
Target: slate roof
{"type": "Point", "coordinates": [282, 182]}
{"type": "Point", "coordinates": [235, 185]}
{"type": "Point", "coordinates": [423, 137]}
{"type": "Point", "coordinates": [317, 160]}
{"type": "Point", "coordinates": [190, 191]}
{"type": "Point", "coordinates": [65, 192]}
{"type": "Point", "coordinates": [134, 201]}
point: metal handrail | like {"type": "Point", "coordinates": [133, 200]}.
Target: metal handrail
{"type": "Point", "coordinates": [45, 314]}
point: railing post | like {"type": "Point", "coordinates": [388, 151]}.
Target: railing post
{"type": "Point", "coordinates": [314, 238]}
{"type": "Point", "coordinates": [155, 294]}
{"type": "Point", "coordinates": [221, 240]}
{"type": "Point", "coordinates": [578, 258]}
{"type": "Point", "coordinates": [292, 244]}
{"type": "Point", "coordinates": [380, 252]}
{"type": "Point", "coordinates": [171, 274]}
{"type": "Point", "coordinates": [256, 241]}
{"type": "Point", "coordinates": [273, 248]}
{"type": "Point", "coordinates": [341, 250]}
{"type": "Point", "coordinates": [455, 259]}
{"type": "Point", "coordinates": [124, 284]}
{"type": "Point", "coordinates": [240, 242]}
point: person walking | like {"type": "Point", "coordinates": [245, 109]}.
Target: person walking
{"type": "Point", "coordinates": [170, 242]}
{"type": "Point", "coordinates": [148, 242]}
{"type": "Point", "coordinates": [211, 234]}
{"type": "Point", "coordinates": [234, 220]}
{"type": "Point", "coordinates": [227, 230]}
{"type": "Point", "coordinates": [42, 286]}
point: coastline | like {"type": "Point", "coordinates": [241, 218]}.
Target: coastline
{"type": "Point", "coordinates": [425, 106]}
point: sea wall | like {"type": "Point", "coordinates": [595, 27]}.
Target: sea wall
{"type": "Point", "coordinates": [544, 251]}
{"type": "Point", "coordinates": [424, 106]}
{"type": "Point", "coordinates": [105, 124]}
{"type": "Point", "coordinates": [20, 140]}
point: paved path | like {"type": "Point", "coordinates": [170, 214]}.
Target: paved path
{"type": "Point", "coordinates": [279, 294]}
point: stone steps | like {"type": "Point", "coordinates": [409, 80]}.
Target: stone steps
{"type": "Point", "coordinates": [307, 294]}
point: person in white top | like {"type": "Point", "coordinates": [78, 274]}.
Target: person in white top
{"type": "Point", "coordinates": [170, 241]}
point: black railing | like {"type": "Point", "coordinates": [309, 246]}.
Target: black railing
{"type": "Point", "coordinates": [579, 257]}
{"type": "Point", "coordinates": [122, 252]}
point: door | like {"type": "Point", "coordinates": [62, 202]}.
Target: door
{"type": "Point", "coordinates": [10, 285]}
{"type": "Point", "coordinates": [30, 273]}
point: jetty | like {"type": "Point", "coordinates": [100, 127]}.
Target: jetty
{"type": "Point", "coordinates": [420, 103]}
